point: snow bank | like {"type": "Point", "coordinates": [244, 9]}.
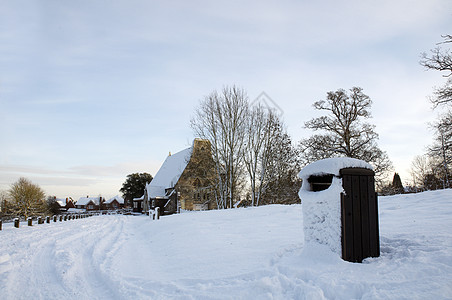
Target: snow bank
{"type": "Point", "coordinates": [252, 253]}
{"type": "Point", "coordinates": [322, 215]}
{"type": "Point", "coordinates": [322, 210]}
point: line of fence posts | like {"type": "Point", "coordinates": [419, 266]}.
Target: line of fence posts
{"type": "Point", "coordinates": [60, 218]}
{"type": "Point", "coordinates": [47, 219]}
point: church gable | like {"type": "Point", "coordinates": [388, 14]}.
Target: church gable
{"type": "Point", "coordinates": [197, 182]}
{"type": "Point", "coordinates": [186, 180]}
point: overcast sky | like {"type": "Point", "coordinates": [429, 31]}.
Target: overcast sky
{"type": "Point", "coordinates": [91, 91]}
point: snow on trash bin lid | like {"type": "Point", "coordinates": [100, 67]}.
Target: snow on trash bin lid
{"type": "Point", "coordinates": [332, 166]}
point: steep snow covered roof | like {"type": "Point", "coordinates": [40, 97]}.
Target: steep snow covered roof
{"type": "Point", "coordinates": [169, 173]}
{"type": "Point", "coordinates": [332, 166]}
{"type": "Point", "coordinates": [61, 202]}
{"type": "Point", "coordinates": [117, 198]}
{"type": "Point", "coordinates": [86, 200]}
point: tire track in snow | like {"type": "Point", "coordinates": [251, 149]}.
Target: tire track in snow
{"type": "Point", "coordinates": [32, 265]}
{"type": "Point", "coordinates": [85, 276]}
{"type": "Point", "coordinates": [65, 260]}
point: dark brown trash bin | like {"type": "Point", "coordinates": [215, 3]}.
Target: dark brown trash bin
{"type": "Point", "coordinates": [360, 234]}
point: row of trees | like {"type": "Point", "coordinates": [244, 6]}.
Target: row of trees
{"type": "Point", "coordinates": [431, 170]}
{"type": "Point", "coordinates": [250, 143]}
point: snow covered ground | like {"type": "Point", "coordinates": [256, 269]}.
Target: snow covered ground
{"type": "Point", "coordinates": [253, 253]}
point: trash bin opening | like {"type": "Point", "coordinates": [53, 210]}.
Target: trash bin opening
{"type": "Point", "coordinates": [320, 182]}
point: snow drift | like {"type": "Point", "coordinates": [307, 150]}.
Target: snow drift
{"type": "Point", "coordinates": [253, 253]}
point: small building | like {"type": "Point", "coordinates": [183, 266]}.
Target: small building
{"type": "Point", "coordinates": [64, 204]}
{"type": "Point", "coordinates": [138, 204]}
{"type": "Point", "coordinates": [90, 203]}
{"type": "Point", "coordinates": [186, 180]}
{"type": "Point", "coordinates": [116, 202]}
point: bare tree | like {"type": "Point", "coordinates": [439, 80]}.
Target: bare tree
{"type": "Point", "coordinates": [255, 154]}
{"type": "Point", "coordinates": [3, 202]}
{"type": "Point", "coordinates": [221, 118]}
{"type": "Point", "coordinates": [263, 135]}
{"type": "Point", "coordinates": [343, 131]}
{"type": "Point", "coordinates": [440, 60]}
{"type": "Point", "coordinates": [27, 198]}
{"type": "Point", "coordinates": [427, 173]}
{"type": "Point", "coordinates": [281, 184]}
{"type": "Point", "coordinates": [441, 149]}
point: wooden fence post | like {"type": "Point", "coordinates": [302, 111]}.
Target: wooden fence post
{"type": "Point", "coordinates": [0, 224]}
{"type": "Point", "coordinates": [61, 218]}
{"type": "Point", "coordinates": [55, 218]}
{"type": "Point", "coordinates": [157, 212]}
{"type": "Point", "coordinates": [16, 222]}
{"type": "Point", "coordinates": [65, 218]}
{"type": "Point", "coordinates": [40, 220]}
{"type": "Point", "coordinates": [30, 221]}
{"type": "Point", "coordinates": [48, 219]}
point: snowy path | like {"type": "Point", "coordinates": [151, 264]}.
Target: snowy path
{"type": "Point", "coordinates": [235, 254]}
{"type": "Point", "coordinates": [64, 260]}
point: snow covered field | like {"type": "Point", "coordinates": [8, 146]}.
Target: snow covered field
{"type": "Point", "coordinates": [253, 253]}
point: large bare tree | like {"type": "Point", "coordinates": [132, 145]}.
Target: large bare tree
{"type": "Point", "coordinates": [441, 149]}
{"type": "Point", "coordinates": [221, 118]}
{"type": "Point", "coordinates": [440, 59]}
{"type": "Point", "coordinates": [263, 135]}
{"type": "Point", "coordinates": [255, 151]}
{"type": "Point", "coordinates": [281, 183]}
{"type": "Point", "coordinates": [26, 198]}
{"type": "Point", "coordinates": [344, 132]}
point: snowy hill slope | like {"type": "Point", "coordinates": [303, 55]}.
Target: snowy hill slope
{"type": "Point", "coordinates": [254, 253]}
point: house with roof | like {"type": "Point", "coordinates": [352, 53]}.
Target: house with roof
{"type": "Point", "coordinates": [138, 204]}
{"type": "Point", "coordinates": [186, 180]}
{"type": "Point", "coordinates": [117, 202]}
{"type": "Point", "coordinates": [90, 203]}
{"type": "Point", "coordinates": [64, 204]}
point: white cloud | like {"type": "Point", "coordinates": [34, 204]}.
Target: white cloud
{"type": "Point", "coordinates": [87, 86]}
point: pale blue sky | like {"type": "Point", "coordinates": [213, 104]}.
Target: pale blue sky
{"type": "Point", "coordinates": [91, 91]}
